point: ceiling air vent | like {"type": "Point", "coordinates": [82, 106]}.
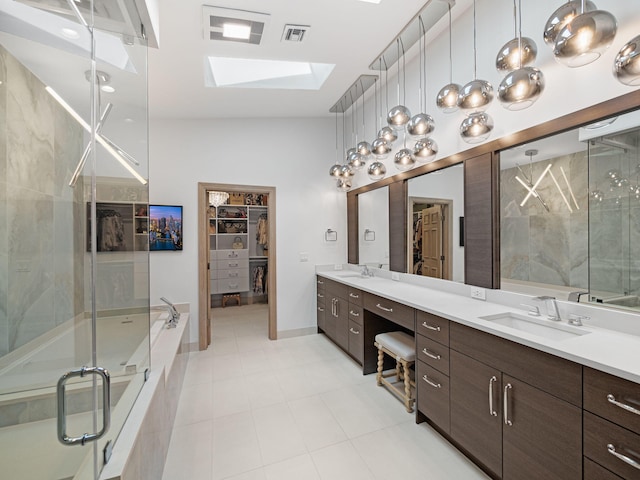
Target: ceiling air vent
{"type": "Point", "coordinates": [231, 25]}
{"type": "Point", "coordinates": [294, 33]}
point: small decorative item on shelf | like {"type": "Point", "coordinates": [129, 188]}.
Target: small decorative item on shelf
{"type": "Point", "coordinates": [238, 244]}
{"type": "Point", "coordinates": [236, 199]}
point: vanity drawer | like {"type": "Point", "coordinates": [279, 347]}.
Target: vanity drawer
{"type": "Point", "coordinates": [593, 471]}
{"type": "Point", "coordinates": [601, 390]}
{"type": "Point", "coordinates": [394, 311]}
{"type": "Point", "coordinates": [355, 314]}
{"type": "Point", "coordinates": [320, 317]}
{"type": "Point", "coordinates": [433, 327]}
{"type": "Point", "coordinates": [599, 434]}
{"type": "Point", "coordinates": [320, 282]}
{"type": "Point", "coordinates": [355, 341]}
{"type": "Point", "coordinates": [334, 289]}
{"type": "Point", "coordinates": [355, 296]}
{"type": "Point", "coordinates": [433, 395]}
{"type": "Point", "coordinates": [433, 354]}
{"type": "Point", "coordinates": [231, 273]}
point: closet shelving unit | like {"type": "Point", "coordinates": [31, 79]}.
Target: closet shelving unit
{"type": "Point", "coordinates": [238, 262]}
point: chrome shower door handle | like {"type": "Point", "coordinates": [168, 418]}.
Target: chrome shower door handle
{"type": "Point", "coordinates": [62, 405]}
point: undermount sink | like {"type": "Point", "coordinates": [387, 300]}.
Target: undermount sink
{"type": "Point", "coordinates": [351, 275]}
{"type": "Point", "coordinates": [540, 327]}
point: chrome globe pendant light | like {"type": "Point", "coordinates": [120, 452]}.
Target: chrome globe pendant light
{"type": "Point", "coordinates": [377, 170]}
{"type": "Point", "coordinates": [363, 147]}
{"type": "Point", "coordinates": [563, 15]}
{"type": "Point", "coordinates": [447, 99]}
{"type": "Point", "coordinates": [399, 116]}
{"type": "Point", "coordinates": [387, 133]}
{"type": "Point", "coordinates": [519, 51]}
{"type": "Point", "coordinates": [421, 124]}
{"type": "Point", "coordinates": [354, 158]}
{"type": "Point", "coordinates": [477, 94]}
{"type": "Point", "coordinates": [425, 149]}
{"type": "Point", "coordinates": [334, 171]}
{"type": "Point", "coordinates": [585, 37]}
{"type": "Point", "coordinates": [626, 66]}
{"type": "Point", "coordinates": [523, 86]}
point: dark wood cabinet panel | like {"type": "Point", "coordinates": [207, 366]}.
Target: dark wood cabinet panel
{"type": "Point", "coordinates": [433, 395]}
{"type": "Point", "coordinates": [433, 354]}
{"type": "Point", "coordinates": [356, 334]}
{"type": "Point", "coordinates": [352, 229]}
{"type": "Point", "coordinates": [599, 433]}
{"type": "Point", "coordinates": [356, 296]}
{"type": "Point", "coordinates": [356, 314]}
{"type": "Point", "coordinates": [545, 437]}
{"type": "Point", "coordinates": [473, 425]}
{"type": "Point", "coordinates": [394, 311]}
{"type": "Point", "coordinates": [432, 326]}
{"type": "Point", "coordinates": [320, 318]}
{"type": "Point", "coordinates": [482, 221]}
{"type": "Point", "coordinates": [342, 323]}
{"type": "Point", "coordinates": [593, 471]}
{"type": "Point", "coordinates": [598, 386]}
{"type": "Point", "coordinates": [397, 227]}
{"type": "Point", "coordinates": [552, 374]}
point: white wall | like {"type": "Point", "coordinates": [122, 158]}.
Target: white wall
{"type": "Point", "coordinates": [288, 154]}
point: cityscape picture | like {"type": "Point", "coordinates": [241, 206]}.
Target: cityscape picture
{"type": "Point", "coordinates": [165, 227]}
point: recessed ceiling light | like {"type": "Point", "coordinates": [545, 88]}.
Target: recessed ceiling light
{"type": "Point", "coordinates": [371, 1]}
{"type": "Point", "coordinates": [236, 30]}
{"type": "Point", "coordinates": [70, 33]}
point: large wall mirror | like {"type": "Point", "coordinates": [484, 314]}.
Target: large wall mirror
{"type": "Point", "coordinates": [570, 214]}
{"type": "Point", "coordinates": [435, 205]}
{"type": "Point", "coordinates": [373, 228]}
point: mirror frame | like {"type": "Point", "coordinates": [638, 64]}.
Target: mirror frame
{"type": "Point", "coordinates": [482, 193]}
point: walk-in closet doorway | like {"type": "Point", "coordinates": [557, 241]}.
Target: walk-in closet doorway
{"type": "Point", "coordinates": [236, 228]}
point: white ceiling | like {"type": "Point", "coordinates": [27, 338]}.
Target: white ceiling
{"type": "Point", "coordinates": [348, 33]}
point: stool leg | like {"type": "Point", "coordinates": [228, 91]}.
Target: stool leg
{"type": "Point", "coordinates": [380, 365]}
{"type": "Point", "coordinates": [407, 387]}
{"type": "Point", "coordinates": [398, 371]}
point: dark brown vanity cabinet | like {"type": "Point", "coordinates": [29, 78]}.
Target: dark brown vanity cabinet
{"type": "Point", "coordinates": [320, 308]}
{"type": "Point", "coordinates": [432, 369]}
{"type": "Point", "coordinates": [611, 426]}
{"type": "Point", "coordinates": [356, 325]}
{"type": "Point", "coordinates": [516, 410]}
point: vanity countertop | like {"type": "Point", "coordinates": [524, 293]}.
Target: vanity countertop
{"type": "Point", "coordinates": [610, 351]}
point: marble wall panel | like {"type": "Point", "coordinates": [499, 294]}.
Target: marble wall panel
{"type": "Point", "coordinates": [4, 272]}
{"type": "Point", "coordinates": [549, 249]}
{"type": "Point", "coordinates": [514, 248]}
{"type": "Point", "coordinates": [3, 115]}
{"type": "Point", "coordinates": [579, 251]}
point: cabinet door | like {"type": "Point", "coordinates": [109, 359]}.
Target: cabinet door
{"type": "Point", "coordinates": [542, 435]}
{"type": "Point", "coordinates": [475, 424]}
{"type": "Point", "coordinates": [342, 323]}
{"type": "Point", "coordinates": [355, 340]}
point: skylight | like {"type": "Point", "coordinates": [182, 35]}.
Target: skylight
{"type": "Point", "coordinates": [258, 73]}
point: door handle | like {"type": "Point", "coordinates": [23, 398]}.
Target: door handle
{"type": "Point", "coordinates": [62, 405]}
{"type": "Point", "coordinates": [492, 412]}
{"type": "Point", "coordinates": [507, 420]}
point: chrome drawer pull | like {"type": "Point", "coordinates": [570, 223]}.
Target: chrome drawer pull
{"type": "Point", "coordinates": [233, 274]}
{"type": "Point", "coordinates": [629, 461]}
{"type": "Point", "coordinates": [383, 308]}
{"type": "Point", "coordinates": [492, 412]}
{"type": "Point", "coordinates": [430, 355]}
{"type": "Point", "coordinates": [320, 309]}
{"type": "Point", "coordinates": [507, 421]}
{"type": "Point", "coordinates": [320, 282]}
{"type": "Point", "coordinates": [353, 331]}
{"type": "Point", "coordinates": [624, 406]}
{"type": "Point", "coordinates": [233, 264]}
{"type": "Point", "coordinates": [233, 285]}
{"type": "Point", "coordinates": [430, 327]}
{"type": "Point", "coordinates": [320, 295]}
{"type": "Point", "coordinates": [353, 296]}
{"type": "Point", "coordinates": [352, 313]}
{"type": "Point", "coordinates": [434, 385]}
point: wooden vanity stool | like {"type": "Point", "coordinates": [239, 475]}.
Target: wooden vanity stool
{"type": "Point", "coordinates": [402, 348]}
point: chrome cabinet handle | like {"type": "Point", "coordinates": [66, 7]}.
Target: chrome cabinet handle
{"type": "Point", "coordinates": [354, 314]}
{"type": "Point", "coordinates": [62, 405]}
{"type": "Point", "coordinates": [430, 355]}
{"type": "Point", "coordinates": [384, 308]}
{"type": "Point", "coordinates": [337, 307]}
{"type": "Point", "coordinates": [233, 285]}
{"type": "Point", "coordinates": [233, 264]}
{"type": "Point", "coordinates": [353, 331]}
{"type": "Point", "coordinates": [320, 295]}
{"type": "Point", "coordinates": [320, 282]}
{"type": "Point", "coordinates": [434, 385]}
{"type": "Point", "coordinates": [505, 405]}
{"type": "Point", "coordinates": [492, 412]}
{"type": "Point", "coordinates": [333, 307]}
{"type": "Point", "coordinates": [628, 460]}
{"type": "Point", "coordinates": [353, 296]}
{"type": "Point", "coordinates": [624, 406]}
{"type": "Point", "coordinates": [430, 327]}
{"type": "Point", "coordinates": [320, 309]}
{"type": "Point", "coordinates": [233, 274]}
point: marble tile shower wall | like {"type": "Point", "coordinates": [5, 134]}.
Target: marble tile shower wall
{"type": "Point", "coordinates": [41, 250]}
{"type": "Point", "coordinates": [546, 247]}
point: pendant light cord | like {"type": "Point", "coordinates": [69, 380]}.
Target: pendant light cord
{"type": "Point", "coordinates": [450, 50]}
{"type": "Point", "coordinates": [519, 31]}
{"type": "Point", "coordinates": [404, 75]}
{"type": "Point", "coordinates": [364, 130]}
{"type": "Point", "coordinates": [475, 53]}
{"type": "Point", "coordinates": [398, 64]}
{"type": "Point", "coordinates": [424, 63]}
{"type": "Point", "coordinates": [420, 90]}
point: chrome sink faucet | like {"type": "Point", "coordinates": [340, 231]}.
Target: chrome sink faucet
{"type": "Point", "coordinates": [173, 321]}
{"type": "Point", "coordinates": [553, 313]}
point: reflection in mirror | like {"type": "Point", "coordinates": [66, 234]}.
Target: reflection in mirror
{"type": "Point", "coordinates": [373, 226]}
{"type": "Point", "coordinates": [570, 214]}
{"type": "Point", "coordinates": [436, 212]}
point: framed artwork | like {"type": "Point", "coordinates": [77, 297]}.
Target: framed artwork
{"type": "Point", "coordinates": [165, 227]}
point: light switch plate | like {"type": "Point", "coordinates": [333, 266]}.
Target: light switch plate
{"type": "Point", "coordinates": [304, 256]}
{"type": "Point", "coordinates": [478, 293]}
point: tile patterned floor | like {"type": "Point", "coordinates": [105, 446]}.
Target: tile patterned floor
{"type": "Point", "coordinates": [297, 408]}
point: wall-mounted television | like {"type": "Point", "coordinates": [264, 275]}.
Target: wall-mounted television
{"type": "Point", "coordinates": [165, 227]}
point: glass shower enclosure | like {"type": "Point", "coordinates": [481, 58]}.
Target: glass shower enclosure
{"type": "Point", "coordinates": [74, 266]}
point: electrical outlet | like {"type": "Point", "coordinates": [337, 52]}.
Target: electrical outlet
{"type": "Point", "coordinates": [478, 293]}
{"type": "Point", "coordinates": [395, 276]}
{"type": "Point", "coordinates": [337, 266]}
{"type": "Point", "coordinates": [304, 256]}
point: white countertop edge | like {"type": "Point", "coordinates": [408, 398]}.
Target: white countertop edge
{"type": "Point", "coordinates": [605, 349]}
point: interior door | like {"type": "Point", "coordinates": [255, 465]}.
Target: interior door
{"type": "Point", "coordinates": [432, 256]}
